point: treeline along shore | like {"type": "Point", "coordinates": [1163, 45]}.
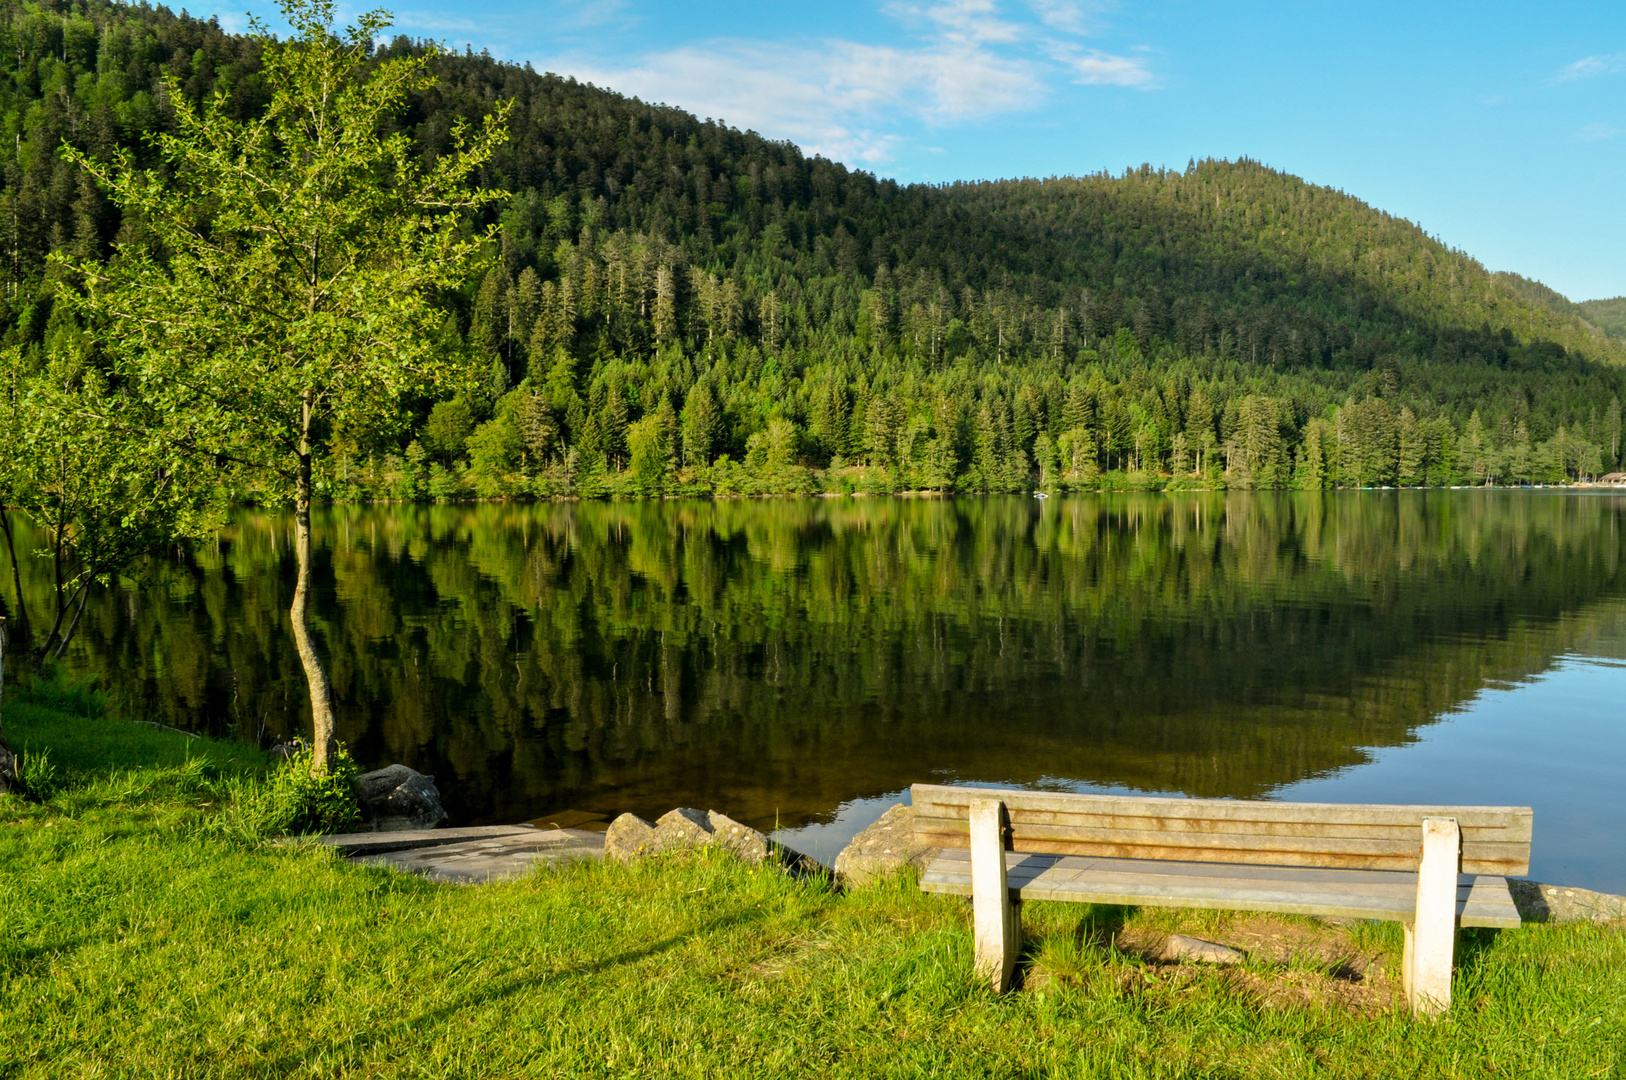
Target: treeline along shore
{"type": "Point", "coordinates": [681, 307]}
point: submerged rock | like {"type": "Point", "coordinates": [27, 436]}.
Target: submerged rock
{"type": "Point", "coordinates": [396, 798]}
{"type": "Point", "coordinates": [629, 837]}
{"type": "Point", "coordinates": [883, 849]}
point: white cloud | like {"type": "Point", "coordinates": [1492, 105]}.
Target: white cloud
{"type": "Point", "coordinates": [968, 23]}
{"type": "Point", "coordinates": [1105, 69]}
{"type": "Point", "coordinates": [1599, 132]}
{"type": "Point", "coordinates": [836, 99]}
{"type": "Point", "coordinates": [963, 60]}
{"type": "Point", "coordinates": [1591, 66]}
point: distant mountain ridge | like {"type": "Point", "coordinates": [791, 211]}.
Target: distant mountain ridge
{"type": "Point", "coordinates": [740, 299]}
{"type": "Point", "coordinates": [1608, 316]}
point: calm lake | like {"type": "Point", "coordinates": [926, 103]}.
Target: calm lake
{"type": "Point", "coordinates": [799, 663]}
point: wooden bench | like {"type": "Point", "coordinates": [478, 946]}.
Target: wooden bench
{"type": "Point", "coordinates": [1432, 868]}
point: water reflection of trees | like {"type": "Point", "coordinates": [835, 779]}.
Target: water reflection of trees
{"type": "Point", "coordinates": [782, 656]}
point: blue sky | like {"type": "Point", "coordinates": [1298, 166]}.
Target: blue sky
{"type": "Point", "coordinates": [1500, 128]}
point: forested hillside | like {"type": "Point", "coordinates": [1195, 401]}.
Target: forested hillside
{"type": "Point", "coordinates": [1608, 315]}
{"type": "Point", "coordinates": [679, 306]}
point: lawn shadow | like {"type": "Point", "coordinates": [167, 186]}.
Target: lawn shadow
{"type": "Point", "coordinates": [479, 997]}
{"type": "Point", "coordinates": [1095, 930]}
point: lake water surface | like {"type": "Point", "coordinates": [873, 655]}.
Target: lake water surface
{"type": "Point", "coordinates": [799, 663]}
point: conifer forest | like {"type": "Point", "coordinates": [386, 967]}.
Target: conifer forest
{"type": "Point", "coordinates": [674, 306]}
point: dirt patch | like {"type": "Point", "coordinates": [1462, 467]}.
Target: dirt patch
{"type": "Point", "coordinates": [1290, 964]}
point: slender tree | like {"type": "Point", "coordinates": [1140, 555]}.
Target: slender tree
{"type": "Point", "coordinates": [10, 779]}
{"type": "Point", "coordinates": [283, 290]}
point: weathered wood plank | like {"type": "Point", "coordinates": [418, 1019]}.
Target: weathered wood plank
{"type": "Point", "coordinates": [1490, 903]}
{"type": "Point", "coordinates": [924, 796]}
{"type": "Point", "coordinates": [939, 819]}
{"type": "Point", "coordinates": [1503, 859]}
{"type": "Point", "coordinates": [1024, 836]}
{"type": "Point", "coordinates": [1182, 867]}
{"type": "Point", "coordinates": [1032, 887]}
{"type": "Point", "coordinates": [1384, 886]}
{"type": "Point", "coordinates": [1481, 900]}
{"type": "Point", "coordinates": [1351, 905]}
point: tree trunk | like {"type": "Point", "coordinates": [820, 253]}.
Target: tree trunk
{"type": "Point", "coordinates": [322, 740]}
{"type": "Point", "coordinates": [9, 780]}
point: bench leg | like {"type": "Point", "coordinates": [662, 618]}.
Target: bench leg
{"type": "Point", "coordinates": [996, 920]}
{"type": "Point", "coordinates": [1432, 935]}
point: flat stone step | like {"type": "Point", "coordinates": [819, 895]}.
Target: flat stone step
{"type": "Point", "coordinates": [375, 843]}
{"type": "Point", "coordinates": [493, 857]}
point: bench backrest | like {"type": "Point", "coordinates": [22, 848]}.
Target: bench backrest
{"type": "Point", "coordinates": [1495, 839]}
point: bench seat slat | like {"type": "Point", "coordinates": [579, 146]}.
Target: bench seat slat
{"type": "Point", "coordinates": [1199, 869]}
{"type": "Point", "coordinates": [1481, 900]}
{"type": "Point", "coordinates": [1501, 859]}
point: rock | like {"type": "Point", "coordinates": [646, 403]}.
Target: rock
{"type": "Point", "coordinates": [629, 837]}
{"type": "Point", "coordinates": [396, 798]}
{"type": "Point", "coordinates": [740, 841]}
{"type": "Point", "coordinates": [284, 751]}
{"type": "Point", "coordinates": [681, 830]}
{"type": "Point", "coordinates": [687, 829]}
{"type": "Point", "coordinates": [1560, 904]}
{"type": "Point", "coordinates": [883, 849]}
{"type": "Point", "coordinates": [1181, 947]}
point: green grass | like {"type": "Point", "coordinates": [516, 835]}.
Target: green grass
{"type": "Point", "coordinates": [141, 934]}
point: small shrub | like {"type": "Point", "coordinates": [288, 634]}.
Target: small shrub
{"type": "Point", "coordinates": [39, 776]}
{"type": "Point", "coordinates": [293, 801]}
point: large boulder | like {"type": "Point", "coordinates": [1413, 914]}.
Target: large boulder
{"type": "Point", "coordinates": [883, 849]}
{"type": "Point", "coordinates": [396, 798]}
{"type": "Point", "coordinates": [629, 837]}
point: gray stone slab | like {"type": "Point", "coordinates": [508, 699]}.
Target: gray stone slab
{"type": "Point", "coordinates": [375, 843]}
{"type": "Point", "coordinates": [475, 861]}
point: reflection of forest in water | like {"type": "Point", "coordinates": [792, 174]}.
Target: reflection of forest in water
{"type": "Point", "coordinates": [779, 657]}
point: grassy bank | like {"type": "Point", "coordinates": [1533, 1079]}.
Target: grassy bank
{"type": "Point", "coordinates": [142, 933]}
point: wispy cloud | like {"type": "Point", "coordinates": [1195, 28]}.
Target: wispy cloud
{"type": "Point", "coordinates": [588, 13]}
{"type": "Point", "coordinates": [1599, 132]}
{"type": "Point", "coordinates": [425, 22]}
{"type": "Point", "coordinates": [1070, 16]}
{"type": "Point", "coordinates": [1105, 69]}
{"type": "Point", "coordinates": [1589, 67]}
{"type": "Point", "coordinates": [962, 60]}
